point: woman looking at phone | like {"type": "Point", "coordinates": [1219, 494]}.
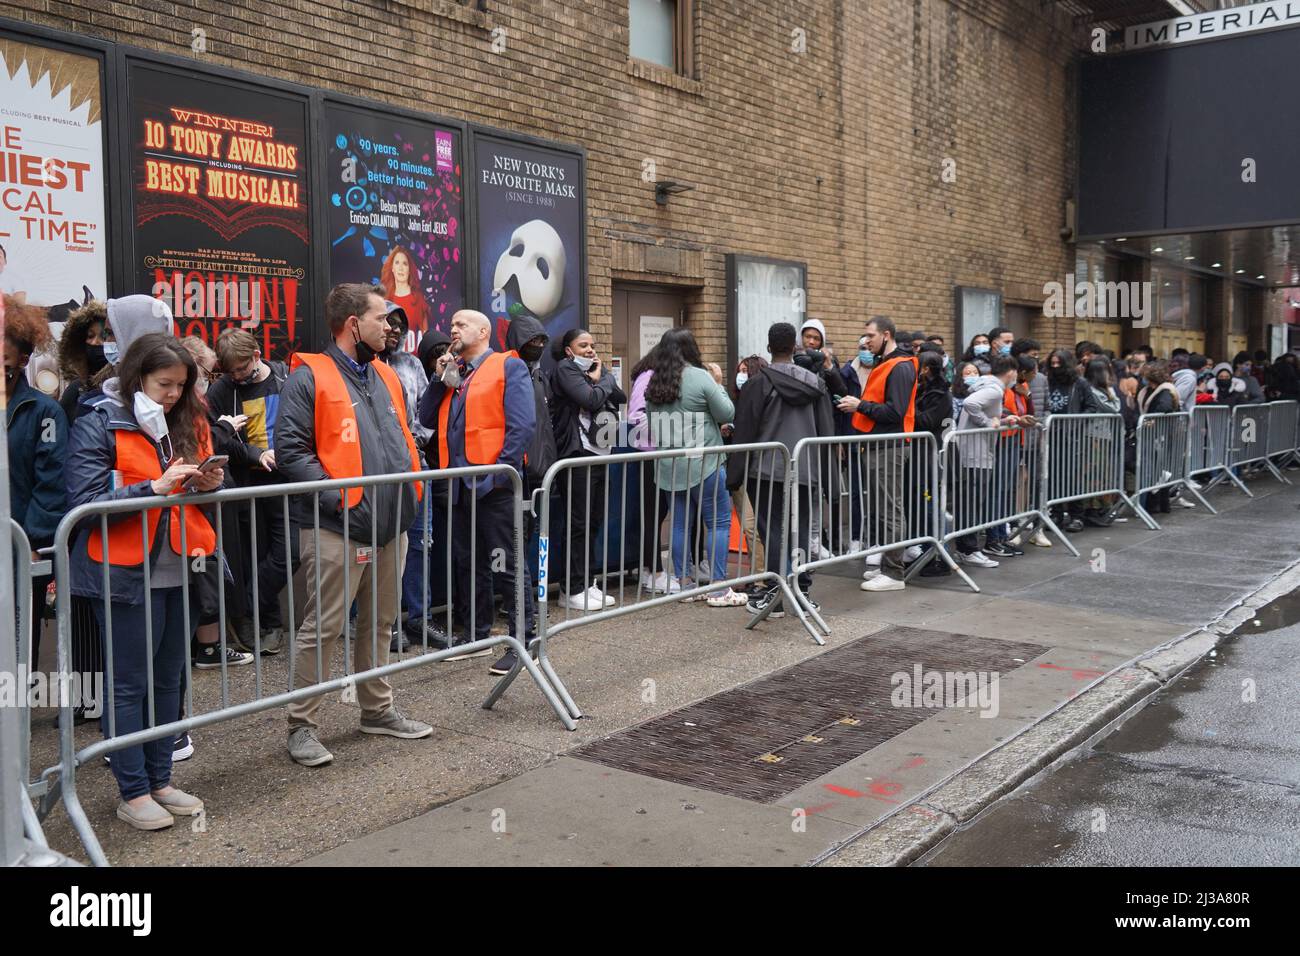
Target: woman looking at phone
{"type": "Point", "coordinates": [145, 438]}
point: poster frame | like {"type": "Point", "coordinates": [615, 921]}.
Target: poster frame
{"type": "Point", "coordinates": [480, 133]}
{"type": "Point", "coordinates": [323, 99]}
{"type": "Point", "coordinates": [109, 112]}
{"type": "Point", "coordinates": [733, 302]}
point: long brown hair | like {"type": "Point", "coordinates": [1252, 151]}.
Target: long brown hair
{"type": "Point", "coordinates": [187, 422]}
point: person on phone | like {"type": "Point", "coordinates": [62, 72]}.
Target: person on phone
{"type": "Point", "coordinates": [585, 401]}
{"type": "Point", "coordinates": [343, 415]}
{"type": "Point", "coordinates": [484, 409]}
{"type": "Point", "coordinates": [243, 407]}
{"type": "Point", "coordinates": [144, 438]}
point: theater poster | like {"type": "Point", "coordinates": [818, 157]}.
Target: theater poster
{"type": "Point", "coordinates": [395, 212]}
{"type": "Point", "coordinates": [221, 205]}
{"type": "Point", "coordinates": [529, 203]}
{"type": "Point", "coordinates": [52, 223]}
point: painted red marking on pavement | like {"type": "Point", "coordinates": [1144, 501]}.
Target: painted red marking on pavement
{"type": "Point", "coordinates": [820, 808]}
{"type": "Point", "coordinates": [1076, 673]}
{"type": "Point", "coordinates": [843, 791]}
{"type": "Point", "coordinates": [912, 764]}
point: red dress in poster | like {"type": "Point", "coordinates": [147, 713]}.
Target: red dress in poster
{"type": "Point", "coordinates": [401, 279]}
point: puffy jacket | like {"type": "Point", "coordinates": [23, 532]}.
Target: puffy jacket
{"type": "Point", "coordinates": [383, 452]}
{"type": "Point", "coordinates": [92, 453]}
{"type": "Point", "coordinates": [38, 446]}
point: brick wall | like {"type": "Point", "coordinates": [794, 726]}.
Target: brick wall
{"type": "Point", "coordinates": [833, 156]}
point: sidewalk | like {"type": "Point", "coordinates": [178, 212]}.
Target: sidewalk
{"type": "Point", "coordinates": [510, 786]}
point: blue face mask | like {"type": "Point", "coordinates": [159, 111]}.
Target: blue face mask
{"type": "Point", "coordinates": [111, 353]}
{"type": "Point", "coordinates": [866, 356]}
{"type": "Point", "coordinates": [970, 381]}
{"type": "Point", "coordinates": [981, 350]}
{"type": "Point", "coordinates": [1005, 350]}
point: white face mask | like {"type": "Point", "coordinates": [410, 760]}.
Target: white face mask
{"type": "Point", "coordinates": [151, 418]}
{"type": "Point", "coordinates": [583, 362]}
{"type": "Point", "coordinates": [741, 379]}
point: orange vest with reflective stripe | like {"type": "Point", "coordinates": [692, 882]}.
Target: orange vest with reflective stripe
{"type": "Point", "coordinates": [338, 446]}
{"type": "Point", "coordinates": [875, 392]}
{"type": "Point", "coordinates": [485, 413]}
{"type": "Point", "coordinates": [136, 458]}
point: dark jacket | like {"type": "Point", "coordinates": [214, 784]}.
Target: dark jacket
{"type": "Point", "coordinates": [383, 452]}
{"type": "Point", "coordinates": [934, 410]}
{"type": "Point", "coordinates": [38, 448]}
{"type": "Point", "coordinates": [782, 403]}
{"type": "Point", "coordinates": [542, 452]}
{"type": "Point", "coordinates": [223, 398]}
{"type": "Point", "coordinates": [92, 454]}
{"type": "Point", "coordinates": [521, 422]}
{"type": "Point", "coordinates": [889, 414]}
{"type": "Point", "coordinates": [573, 393]}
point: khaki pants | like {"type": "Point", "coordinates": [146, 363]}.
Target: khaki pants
{"type": "Point", "coordinates": [385, 568]}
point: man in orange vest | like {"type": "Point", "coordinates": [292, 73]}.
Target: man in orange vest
{"type": "Point", "coordinates": [342, 415]}
{"type": "Point", "coordinates": [887, 407]}
{"type": "Point", "coordinates": [481, 404]}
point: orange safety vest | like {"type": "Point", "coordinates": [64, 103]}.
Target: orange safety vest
{"type": "Point", "coordinates": [337, 446]}
{"type": "Point", "coordinates": [875, 392]}
{"type": "Point", "coordinates": [485, 413]}
{"type": "Point", "coordinates": [1013, 403]}
{"type": "Point", "coordinates": [136, 458]}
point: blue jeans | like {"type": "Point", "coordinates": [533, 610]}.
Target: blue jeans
{"type": "Point", "coordinates": [714, 504]}
{"type": "Point", "coordinates": [147, 767]}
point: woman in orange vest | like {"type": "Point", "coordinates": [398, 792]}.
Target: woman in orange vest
{"type": "Point", "coordinates": [144, 437]}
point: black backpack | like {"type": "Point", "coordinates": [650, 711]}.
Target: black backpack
{"type": "Point", "coordinates": [542, 451]}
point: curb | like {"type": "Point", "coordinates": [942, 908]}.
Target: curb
{"type": "Point", "coordinates": [918, 826]}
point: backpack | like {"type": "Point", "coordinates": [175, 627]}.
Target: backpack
{"type": "Point", "coordinates": [541, 453]}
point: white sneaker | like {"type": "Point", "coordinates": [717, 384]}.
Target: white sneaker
{"type": "Point", "coordinates": [882, 582]}
{"type": "Point", "coordinates": [598, 597]}
{"type": "Point", "coordinates": [655, 582]}
{"type": "Point", "coordinates": [819, 552]}
{"type": "Point", "coordinates": [855, 545]}
{"type": "Point", "coordinates": [912, 553]}
{"type": "Point", "coordinates": [1195, 485]}
{"type": "Point", "coordinates": [728, 598]}
{"type": "Point", "coordinates": [977, 559]}
{"type": "Point", "coordinates": [1186, 504]}
{"type": "Point", "coordinates": [1014, 542]}
{"type": "Point", "coordinates": [582, 602]}
{"type": "Point", "coordinates": [1039, 539]}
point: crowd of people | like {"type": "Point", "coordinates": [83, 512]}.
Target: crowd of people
{"type": "Point", "coordinates": [145, 414]}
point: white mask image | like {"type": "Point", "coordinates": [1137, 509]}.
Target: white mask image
{"type": "Point", "coordinates": [535, 259]}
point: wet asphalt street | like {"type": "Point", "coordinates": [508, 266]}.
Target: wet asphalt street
{"type": "Point", "coordinates": [1208, 774]}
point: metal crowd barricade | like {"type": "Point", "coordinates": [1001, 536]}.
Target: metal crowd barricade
{"type": "Point", "coordinates": [658, 581]}
{"type": "Point", "coordinates": [1163, 458]}
{"type": "Point", "coordinates": [1283, 422]}
{"type": "Point", "coordinates": [1208, 446]}
{"type": "Point", "coordinates": [1084, 459]}
{"type": "Point", "coordinates": [885, 501]}
{"type": "Point", "coordinates": [97, 514]}
{"type": "Point", "coordinates": [992, 479]}
{"type": "Point", "coordinates": [1248, 439]}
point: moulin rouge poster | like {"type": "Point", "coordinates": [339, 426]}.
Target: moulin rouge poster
{"type": "Point", "coordinates": [221, 206]}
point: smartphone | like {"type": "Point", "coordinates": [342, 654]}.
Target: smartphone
{"type": "Point", "coordinates": [209, 463]}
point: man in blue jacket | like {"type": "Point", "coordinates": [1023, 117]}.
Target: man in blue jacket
{"type": "Point", "coordinates": [482, 406]}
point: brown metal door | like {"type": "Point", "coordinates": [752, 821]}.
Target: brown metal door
{"type": "Point", "coordinates": [641, 315]}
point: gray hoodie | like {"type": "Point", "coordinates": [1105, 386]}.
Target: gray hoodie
{"type": "Point", "coordinates": [982, 406]}
{"type": "Point", "coordinates": [1185, 384]}
{"type": "Point", "coordinates": [782, 403]}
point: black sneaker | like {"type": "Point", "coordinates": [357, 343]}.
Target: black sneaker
{"type": "Point", "coordinates": [769, 597]}
{"type": "Point", "coordinates": [417, 635]}
{"type": "Point", "coordinates": [935, 569]}
{"type": "Point", "coordinates": [183, 749]}
{"type": "Point", "coordinates": [507, 661]}
{"type": "Point", "coordinates": [398, 642]}
{"type": "Point", "coordinates": [208, 657]}
{"type": "Point", "coordinates": [1098, 519]}
{"type": "Point", "coordinates": [1000, 549]}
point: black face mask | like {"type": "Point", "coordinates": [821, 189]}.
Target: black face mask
{"type": "Point", "coordinates": [531, 353]}
{"type": "Point", "coordinates": [95, 358]}
{"type": "Point", "coordinates": [365, 354]}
